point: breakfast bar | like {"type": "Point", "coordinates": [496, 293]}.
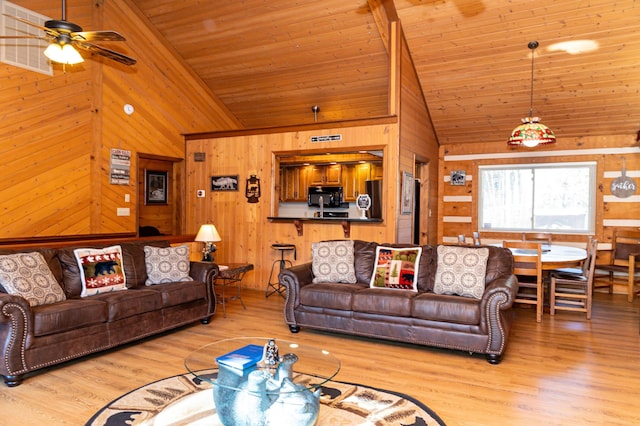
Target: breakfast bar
{"type": "Point", "coordinates": [345, 222]}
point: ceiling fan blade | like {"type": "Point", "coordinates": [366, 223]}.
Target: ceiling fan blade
{"type": "Point", "coordinates": [98, 36]}
{"type": "Point", "coordinates": [22, 37]}
{"type": "Point", "coordinates": [24, 21]}
{"type": "Point", "coordinates": [108, 53]}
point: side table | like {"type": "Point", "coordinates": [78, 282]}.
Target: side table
{"type": "Point", "coordinates": [231, 276]}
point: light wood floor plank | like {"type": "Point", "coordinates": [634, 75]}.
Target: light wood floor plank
{"type": "Point", "coordinates": [564, 370]}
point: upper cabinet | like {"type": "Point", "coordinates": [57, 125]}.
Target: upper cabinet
{"type": "Point", "coordinates": [354, 177]}
{"type": "Point", "coordinates": [326, 175]}
{"type": "Point", "coordinates": [294, 182]}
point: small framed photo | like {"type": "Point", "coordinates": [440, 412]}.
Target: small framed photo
{"type": "Point", "coordinates": [224, 183]}
{"type": "Point", "coordinates": [155, 187]}
{"type": "Point", "coordinates": [458, 177]}
{"type": "Point", "coordinates": [407, 193]}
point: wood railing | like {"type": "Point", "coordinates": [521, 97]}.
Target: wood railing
{"type": "Point", "coordinates": [73, 240]}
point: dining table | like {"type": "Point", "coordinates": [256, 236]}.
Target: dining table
{"type": "Point", "coordinates": [556, 256]}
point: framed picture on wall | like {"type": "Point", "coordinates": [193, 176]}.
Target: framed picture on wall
{"type": "Point", "coordinates": [155, 187]}
{"type": "Point", "coordinates": [407, 193]}
{"type": "Point", "coordinates": [224, 183]}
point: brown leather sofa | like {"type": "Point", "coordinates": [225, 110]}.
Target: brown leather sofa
{"type": "Point", "coordinates": [32, 338]}
{"type": "Point", "coordinates": [422, 317]}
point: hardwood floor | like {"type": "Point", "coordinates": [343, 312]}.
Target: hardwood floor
{"type": "Point", "coordinates": [565, 370]}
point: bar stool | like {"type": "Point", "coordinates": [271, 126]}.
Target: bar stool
{"type": "Point", "coordinates": [275, 286]}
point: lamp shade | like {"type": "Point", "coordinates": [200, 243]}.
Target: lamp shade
{"type": "Point", "coordinates": [531, 133]}
{"type": "Point", "coordinates": [208, 234]}
{"type": "Point", "coordinates": [64, 54]}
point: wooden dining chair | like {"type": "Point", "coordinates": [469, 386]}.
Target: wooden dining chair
{"type": "Point", "coordinates": [624, 262]}
{"type": "Point", "coordinates": [527, 266]}
{"type": "Point", "coordinates": [574, 291]}
{"type": "Point", "coordinates": [582, 270]}
{"type": "Point", "coordinates": [543, 237]}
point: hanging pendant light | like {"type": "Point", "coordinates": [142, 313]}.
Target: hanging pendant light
{"type": "Point", "coordinates": [531, 132]}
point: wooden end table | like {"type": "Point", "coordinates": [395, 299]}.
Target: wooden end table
{"type": "Point", "coordinates": [230, 277]}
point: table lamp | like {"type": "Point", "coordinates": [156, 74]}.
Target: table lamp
{"type": "Point", "coordinates": [208, 234]}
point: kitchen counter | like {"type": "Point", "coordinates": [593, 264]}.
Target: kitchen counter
{"type": "Point", "coordinates": [344, 221]}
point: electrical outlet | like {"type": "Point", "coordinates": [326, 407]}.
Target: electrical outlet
{"type": "Point", "coordinates": [123, 211]}
{"type": "Point", "coordinates": [200, 193]}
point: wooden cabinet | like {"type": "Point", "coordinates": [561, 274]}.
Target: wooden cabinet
{"type": "Point", "coordinates": [326, 175]}
{"type": "Point", "coordinates": [354, 177]}
{"type": "Point", "coordinates": [294, 182]}
{"type": "Point", "coordinates": [376, 171]}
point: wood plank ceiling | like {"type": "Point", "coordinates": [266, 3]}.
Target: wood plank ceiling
{"type": "Point", "coordinates": [270, 61]}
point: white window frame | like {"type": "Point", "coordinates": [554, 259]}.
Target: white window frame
{"type": "Point", "coordinates": [591, 221]}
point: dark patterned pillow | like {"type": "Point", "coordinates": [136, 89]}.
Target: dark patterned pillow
{"type": "Point", "coordinates": [167, 264]}
{"type": "Point", "coordinates": [27, 275]}
{"type": "Point", "coordinates": [333, 262]}
{"type": "Point", "coordinates": [101, 270]}
{"type": "Point", "coordinates": [396, 268]}
{"type": "Point", "coordinates": [461, 271]}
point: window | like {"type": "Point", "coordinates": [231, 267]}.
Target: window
{"type": "Point", "coordinates": [538, 197]}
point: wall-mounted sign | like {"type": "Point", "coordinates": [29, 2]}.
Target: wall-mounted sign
{"type": "Point", "coordinates": [224, 183]}
{"type": "Point", "coordinates": [327, 138]}
{"type": "Point", "coordinates": [120, 166]}
{"type": "Point", "coordinates": [623, 186]}
{"type": "Point", "coordinates": [458, 177]}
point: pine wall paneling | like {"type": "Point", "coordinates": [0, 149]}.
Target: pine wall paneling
{"type": "Point", "coordinates": [417, 143]}
{"type": "Point", "coordinates": [458, 204]}
{"type": "Point", "coordinates": [57, 131]}
{"type": "Point", "coordinates": [246, 232]}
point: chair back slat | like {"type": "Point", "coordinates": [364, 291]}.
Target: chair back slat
{"type": "Point", "coordinates": [624, 244]}
{"type": "Point", "coordinates": [527, 262]}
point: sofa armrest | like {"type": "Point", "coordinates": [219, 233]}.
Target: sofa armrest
{"type": "Point", "coordinates": [204, 271]}
{"type": "Point", "coordinates": [495, 305]}
{"type": "Point", "coordinates": [15, 327]}
{"type": "Point", "coordinates": [294, 278]}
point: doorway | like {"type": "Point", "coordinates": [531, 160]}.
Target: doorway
{"type": "Point", "coordinates": [421, 207]}
{"type": "Point", "coordinates": [159, 214]}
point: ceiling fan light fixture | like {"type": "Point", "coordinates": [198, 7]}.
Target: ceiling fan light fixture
{"type": "Point", "coordinates": [63, 54]}
{"type": "Point", "coordinates": [531, 132]}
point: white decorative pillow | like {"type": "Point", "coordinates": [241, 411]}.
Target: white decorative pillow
{"type": "Point", "coordinates": [396, 268]}
{"type": "Point", "coordinates": [461, 271]}
{"type": "Point", "coordinates": [29, 276]}
{"type": "Point", "coordinates": [101, 270]}
{"type": "Point", "coordinates": [333, 262]}
{"type": "Point", "coordinates": [167, 264]}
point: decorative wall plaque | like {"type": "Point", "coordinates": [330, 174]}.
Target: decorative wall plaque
{"type": "Point", "coordinates": [623, 186]}
{"type": "Point", "coordinates": [458, 177]}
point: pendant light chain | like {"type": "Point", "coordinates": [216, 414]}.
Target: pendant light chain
{"type": "Point", "coordinates": [533, 54]}
{"type": "Point", "coordinates": [531, 132]}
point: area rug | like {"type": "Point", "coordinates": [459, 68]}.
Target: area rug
{"type": "Point", "coordinates": [187, 400]}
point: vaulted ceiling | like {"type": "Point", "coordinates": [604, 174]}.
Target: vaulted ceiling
{"type": "Point", "coordinates": [270, 61]}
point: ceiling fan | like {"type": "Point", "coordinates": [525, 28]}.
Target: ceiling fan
{"type": "Point", "coordinates": [65, 36]}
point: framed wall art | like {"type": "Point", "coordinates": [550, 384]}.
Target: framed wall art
{"type": "Point", "coordinates": [155, 187]}
{"type": "Point", "coordinates": [224, 183]}
{"type": "Point", "coordinates": [407, 193]}
{"type": "Point", "coordinates": [458, 177]}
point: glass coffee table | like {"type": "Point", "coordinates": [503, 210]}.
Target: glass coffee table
{"type": "Point", "coordinates": [282, 388]}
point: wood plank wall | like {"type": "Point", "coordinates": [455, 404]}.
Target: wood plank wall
{"type": "Point", "coordinates": [418, 145]}
{"type": "Point", "coordinates": [246, 232]}
{"type": "Point", "coordinates": [57, 131]}
{"type": "Point", "coordinates": [458, 204]}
